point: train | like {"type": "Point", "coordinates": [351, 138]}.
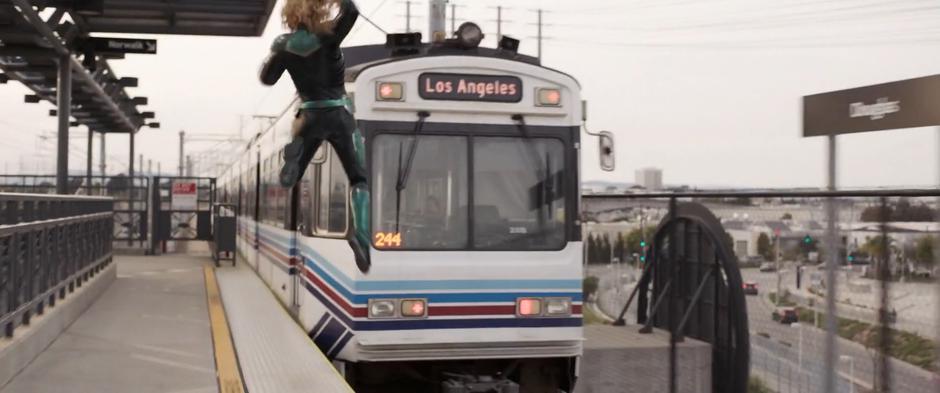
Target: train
{"type": "Point", "coordinates": [473, 157]}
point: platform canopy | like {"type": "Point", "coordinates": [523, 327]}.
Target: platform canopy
{"type": "Point", "coordinates": [191, 17]}
{"type": "Point", "coordinates": [30, 51]}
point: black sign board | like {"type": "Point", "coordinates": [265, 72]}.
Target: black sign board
{"type": "Point", "coordinates": [902, 104]}
{"type": "Point", "coordinates": [463, 87]}
{"type": "Point", "coordinates": [123, 45]}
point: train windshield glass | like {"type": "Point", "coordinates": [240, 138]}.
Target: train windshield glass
{"type": "Point", "coordinates": [518, 193]}
{"type": "Point", "coordinates": [518, 197]}
{"type": "Point", "coordinates": [429, 210]}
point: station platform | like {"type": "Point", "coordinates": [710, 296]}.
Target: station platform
{"type": "Point", "coordinates": [620, 359]}
{"type": "Point", "coordinates": [172, 324]}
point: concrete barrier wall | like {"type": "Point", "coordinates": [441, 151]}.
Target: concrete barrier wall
{"type": "Point", "coordinates": [29, 341]}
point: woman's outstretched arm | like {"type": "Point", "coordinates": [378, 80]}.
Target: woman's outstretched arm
{"type": "Point", "coordinates": [348, 15]}
{"type": "Point", "coordinates": [274, 65]}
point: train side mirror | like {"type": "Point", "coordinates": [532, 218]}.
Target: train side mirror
{"type": "Point", "coordinates": [606, 150]}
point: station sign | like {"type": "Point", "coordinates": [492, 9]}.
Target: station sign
{"type": "Point", "coordinates": [902, 104]}
{"type": "Point", "coordinates": [465, 87]}
{"type": "Point", "coordinates": [123, 45]}
{"type": "Point", "coordinates": [183, 196]}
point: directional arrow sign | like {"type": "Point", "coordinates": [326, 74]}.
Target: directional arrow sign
{"type": "Point", "coordinates": [124, 45]}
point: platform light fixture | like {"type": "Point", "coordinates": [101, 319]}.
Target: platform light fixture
{"type": "Point", "coordinates": [128, 82]}
{"type": "Point", "coordinates": [4, 78]}
{"type": "Point", "coordinates": [153, 125]}
{"type": "Point", "coordinates": [32, 99]}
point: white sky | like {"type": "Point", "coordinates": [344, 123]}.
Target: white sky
{"type": "Point", "coordinates": [708, 90]}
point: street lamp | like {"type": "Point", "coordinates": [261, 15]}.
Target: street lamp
{"type": "Point", "coordinates": [799, 353]}
{"type": "Point", "coordinates": [851, 360]}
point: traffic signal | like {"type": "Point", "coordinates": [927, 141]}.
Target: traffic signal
{"type": "Point", "coordinates": [643, 243]}
{"type": "Point", "coordinates": [808, 239]}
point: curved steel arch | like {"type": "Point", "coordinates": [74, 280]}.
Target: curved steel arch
{"type": "Point", "coordinates": [696, 287]}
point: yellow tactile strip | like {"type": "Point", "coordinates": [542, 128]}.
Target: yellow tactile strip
{"type": "Point", "coordinates": [226, 363]}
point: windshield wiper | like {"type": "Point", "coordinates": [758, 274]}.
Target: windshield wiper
{"type": "Point", "coordinates": [404, 172]}
{"type": "Point", "coordinates": [542, 171]}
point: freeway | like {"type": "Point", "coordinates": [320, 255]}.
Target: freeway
{"type": "Point", "coordinates": [775, 347]}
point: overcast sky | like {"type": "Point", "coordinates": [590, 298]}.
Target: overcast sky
{"type": "Point", "coordinates": [707, 90]}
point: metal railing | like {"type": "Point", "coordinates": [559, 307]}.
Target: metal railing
{"type": "Point", "coordinates": [859, 267]}
{"type": "Point", "coordinates": [49, 245]}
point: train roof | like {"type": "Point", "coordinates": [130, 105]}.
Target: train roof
{"type": "Point", "coordinates": [360, 58]}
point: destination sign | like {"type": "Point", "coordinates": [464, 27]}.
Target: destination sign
{"type": "Point", "coordinates": [463, 87]}
{"type": "Point", "coordinates": [887, 106]}
{"type": "Point", "coordinates": [123, 45]}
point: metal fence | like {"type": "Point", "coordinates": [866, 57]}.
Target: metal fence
{"type": "Point", "coordinates": [840, 300]}
{"type": "Point", "coordinates": [130, 196]}
{"type": "Point", "coordinates": [49, 245]}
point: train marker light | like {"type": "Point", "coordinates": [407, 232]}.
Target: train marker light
{"type": "Point", "coordinates": [548, 97]}
{"type": "Point", "coordinates": [390, 91]}
{"type": "Point", "coordinates": [557, 306]}
{"type": "Point", "coordinates": [528, 307]}
{"type": "Point", "coordinates": [382, 308]}
{"type": "Point", "coordinates": [414, 308]}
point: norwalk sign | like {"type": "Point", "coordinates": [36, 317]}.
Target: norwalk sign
{"type": "Point", "coordinates": [123, 45]}
{"type": "Point", "coordinates": [902, 104]}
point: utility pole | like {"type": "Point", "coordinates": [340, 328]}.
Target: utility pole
{"type": "Point", "coordinates": [453, 17]}
{"type": "Point", "coordinates": [150, 166]}
{"type": "Point", "coordinates": [407, 16]}
{"type": "Point", "coordinates": [437, 20]}
{"type": "Point", "coordinates": [141, 164]}
{"type": "Point", "coordinates": [159, 171]}
{"type": "Point", "coordinates": [540, 34]}
{"type": "Point", "coordinates": [499, 23]}
{"type": "Point", "coordinates": [102, 162]}
{"type": "Point", "coordinates": [182, 137]}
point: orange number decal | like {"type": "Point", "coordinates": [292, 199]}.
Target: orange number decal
{"type": "Point", "coordinates": [387, 240]}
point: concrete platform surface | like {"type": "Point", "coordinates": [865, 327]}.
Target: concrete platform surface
{"type": "Point", "coordinates": [149, 332]}
{"type": "Point", "coordinates": [620, 359]}
{"type": "Point", "coordinates": [275, 354]}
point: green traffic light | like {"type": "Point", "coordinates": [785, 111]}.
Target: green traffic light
{"type": "Point", "coordinates": [642, 244]}
{"type": "Point", "coordinates": [807, 239]}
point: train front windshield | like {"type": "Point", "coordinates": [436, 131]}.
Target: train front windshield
{"type": "Point", "coordinates": [435, 192]}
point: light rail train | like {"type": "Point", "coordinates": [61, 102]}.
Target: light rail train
{"type": "Point", "coordinates": [476, 276]}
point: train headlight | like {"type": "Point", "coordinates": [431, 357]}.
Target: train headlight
{"type": "Point", "coordinates": [469, 35]}
{"type": "Point", "coordinates": [557, 306]}
{"type": "Point", "coordinates": [414, 308]}
{"type": "Point", "coordinates": [548, 97]}
{"type": "Point", "coordinates": [382, 308]}
{"type": "Point", "coordinates": [528, 307]}
{"type": "Point", "coordinates": [390, 91]}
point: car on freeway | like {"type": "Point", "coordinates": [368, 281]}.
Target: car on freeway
{"type": "Point", "coordinates": [767, 267]}
{"type": "Point", "coordinates": [750, 288]}
{"type": "Point", "coordinates": [786, 315]}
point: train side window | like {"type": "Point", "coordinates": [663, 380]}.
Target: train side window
{"type": "Point", "coordinates": [332, 196]}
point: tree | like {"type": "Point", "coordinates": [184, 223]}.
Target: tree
{"type": "Point", "coordinates": [764, 247]}
{"type": "Point", "coordinates": [903, 210]}
{"type": "Point", "coordinates": [619, 247]}
{"type": "Point", "coordinates": [923, 250]}
{"type": "Point", "coordinates": [605, 249]}
{"type": "Point", "coordinates": [786, 216]}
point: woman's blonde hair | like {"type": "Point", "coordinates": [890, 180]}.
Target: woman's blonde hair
{"type": "Point", "coordinates": [314, 15]}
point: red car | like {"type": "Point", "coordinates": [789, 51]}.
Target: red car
{"type": "Point", "coordinates": [750, 288]}
{"type": "Point", "coordinates": [786, 315]}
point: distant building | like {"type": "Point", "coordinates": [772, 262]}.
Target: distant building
{"type": "Point", "coordinates": [650, 178]}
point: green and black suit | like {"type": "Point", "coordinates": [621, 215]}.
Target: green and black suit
{"type": "Point", "coordinates": [315, 64]}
